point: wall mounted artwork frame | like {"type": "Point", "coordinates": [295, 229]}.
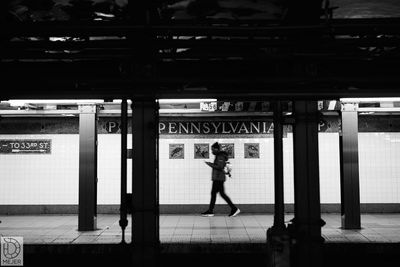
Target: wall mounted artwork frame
{"type": "Point", "coordinates": [176, 151]}
{"type": "Point", "coordinates": [251, 150]}
{"type": "Point", "coordinates": [201, 151]}
{"type": "Point", "coordinates": [229, 148]}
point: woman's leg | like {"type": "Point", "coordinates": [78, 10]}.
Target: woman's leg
{"type": "Point", "coordinates": [214, 191]}
{"type": "Point", "coordinates": [225, 197]}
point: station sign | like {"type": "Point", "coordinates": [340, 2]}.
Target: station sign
{"type": "Point", "coordinates": [25, 146]}
{"type": "Point", "coordinates": [228, 127]}
{"type": "Point", "coordinates": [112, 126]}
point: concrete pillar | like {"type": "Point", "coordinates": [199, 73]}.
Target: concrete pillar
{"type": "Point", "coordinates": [87, 168]}
{"type": "Point", "coordinates": [145, 214]}
{"type": "Point", "coordinates": [307, 223]}
{"type": "Point", "coordinates": [349, 174]}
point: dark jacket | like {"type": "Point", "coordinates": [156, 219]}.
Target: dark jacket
{"type": "Point", "coordinates": [218, 173]}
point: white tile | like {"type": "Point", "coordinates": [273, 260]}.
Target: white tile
{"type": "Point", "coordinates": [54, 178]}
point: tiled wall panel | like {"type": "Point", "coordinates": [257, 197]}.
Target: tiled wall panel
{"type": "Point", "coordinates": [379, 155]}
{"type": "Point", "coordinates": [109, 166]}
{"type": "Point", "coordinates": [53, 178]}
{"type": "Point", "coordinates": [41, 178]}
{"type": "Point", "coordinates": [188, 180]}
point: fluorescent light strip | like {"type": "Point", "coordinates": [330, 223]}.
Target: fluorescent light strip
{"type": "Point", "coordinates": [179, 111]}
{"type": "Point", "coordinates": [19, 103]}
{"type": "Point", "coordinates": [184, 101]}
{"type": "Point", "coordinates": [372, 109]}
{"type": "Point", "coordinates": [118, 101]}
{"type": "Point", "coordinates": [370, 99]}
{"type": "Point", "coordinates": [24, 102]}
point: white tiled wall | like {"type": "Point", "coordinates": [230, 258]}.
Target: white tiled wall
{"type": "Point", "coordinates": [109, 169]}
{"type": "Point", "coordinates": [379, 157]}
{"type": "Point", "coordinates": [329, 167]}
{"type": "Point", "coordinates": [53, 179]}
{"type": "Point", "coordinates": [188, 180]}
{"type": "Point", "coordinates": [288, 183]}
{"type": "Point", "coordinates": [41, 178]}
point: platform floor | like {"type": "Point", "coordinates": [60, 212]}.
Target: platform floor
{"type": "Point", "coordinates": [245, 228]}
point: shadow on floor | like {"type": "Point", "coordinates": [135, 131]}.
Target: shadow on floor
{"type": "Point", "coordinates": [335, 255]}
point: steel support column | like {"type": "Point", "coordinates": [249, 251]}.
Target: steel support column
{"type": "Point", "coordinates": [279, 209]}
{"type": "Point", "coordinates": [278, 241]}
{"type": "Point", "coordinates": [145, 214]}
{"type": "Point", "coordinates": [349, 176]}
{"type": "Point", "coordinates": [123, 222]}
{"type": "Point", "coordinates": [307, 223]}
{"type": "Point", "coordinates": [87, 168]}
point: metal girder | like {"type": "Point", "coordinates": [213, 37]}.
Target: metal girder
{"type": "Point", "coordinates": [267, 28]}
{"type": "Point", "coordinates": [289, 89]}
{"type": "Point", "coordinates": [126, 39]}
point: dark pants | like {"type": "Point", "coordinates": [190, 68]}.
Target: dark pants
{"type": "Point", "coordinates": [218, 186]}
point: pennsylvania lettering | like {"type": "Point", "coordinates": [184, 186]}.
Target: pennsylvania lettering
{"type": "Point", "coordinates": [207, 127]}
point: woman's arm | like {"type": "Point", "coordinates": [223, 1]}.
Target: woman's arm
{"type": "Point", "coordinates": [219, 165]}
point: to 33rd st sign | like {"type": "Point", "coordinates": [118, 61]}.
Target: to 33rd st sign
{"type": "Point", "coordinates": [25, 146]}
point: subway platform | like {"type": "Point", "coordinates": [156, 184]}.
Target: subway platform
{"type": "Point", "coordinates": [245, 228]}
{"type": "Point", "coordinates": [198, 241]}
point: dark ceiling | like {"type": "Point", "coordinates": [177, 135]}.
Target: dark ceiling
{"type": "Point", "coordinates": [301, 49]}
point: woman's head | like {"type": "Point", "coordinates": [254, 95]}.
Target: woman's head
{"type": "Point", "coordinates": [216, 147]}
